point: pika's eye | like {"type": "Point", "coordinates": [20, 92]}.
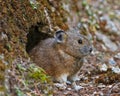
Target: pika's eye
{"type": "Point", "coordinates": [80, 41]}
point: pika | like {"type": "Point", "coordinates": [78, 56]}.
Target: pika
{"type": "Point", "coordinates": [62, 56]}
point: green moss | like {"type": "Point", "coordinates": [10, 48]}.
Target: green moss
{"type": "Point", "coordinates": [19, 92]}
{"type": "Point", "coordinates": [37, 73]}
{"type": "Point", "coordinates": [2, 76]}
{"type": "Point", "coordinates": [2, 89]}
{"type": "Point", "coordinates": [34, 4]}
{"type": "Point", "coordinates": [31, 77]}
{"type": "Point", "coordinates": [8, 47]}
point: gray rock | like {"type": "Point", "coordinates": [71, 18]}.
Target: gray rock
{"type": "Point", "coordinates": [106, 40]}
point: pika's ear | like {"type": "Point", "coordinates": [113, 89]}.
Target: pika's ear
{"type": "Point", "coordinates": [60, 36]}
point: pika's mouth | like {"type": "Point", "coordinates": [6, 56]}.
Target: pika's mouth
{"type": "Point", "coordinates": [86, 50]}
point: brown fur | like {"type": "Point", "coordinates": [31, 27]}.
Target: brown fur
{"type": "Point", "coordinates": [58, 58]}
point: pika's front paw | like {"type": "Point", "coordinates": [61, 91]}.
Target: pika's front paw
{"type": "Point", "coordinates": [76, 87]}
{"type": "Point", "coordinates": [61, 86]}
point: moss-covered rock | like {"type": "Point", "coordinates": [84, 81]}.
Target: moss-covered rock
{"type": "Point", "coordinates": [16, 18]}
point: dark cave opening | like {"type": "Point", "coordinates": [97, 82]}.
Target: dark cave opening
{"type": "Point", "coordinates": [34, 37]}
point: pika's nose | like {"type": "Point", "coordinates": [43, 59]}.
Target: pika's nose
{"type": "Point", "coordinates": [90, 49]}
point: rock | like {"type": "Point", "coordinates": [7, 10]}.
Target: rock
{"type": "Point", "coordinates": [103, 67]}
{"type": "Point", "coordinates": [116, 69]}
{"type": "Point", "coordinates": [109, 25]}
{"type": "Point", "coordinates": [112, 61]}
{"type": "Point", "coordinates": [117, 56]}
{"type": "Point", "coordinates": [106, 40]}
